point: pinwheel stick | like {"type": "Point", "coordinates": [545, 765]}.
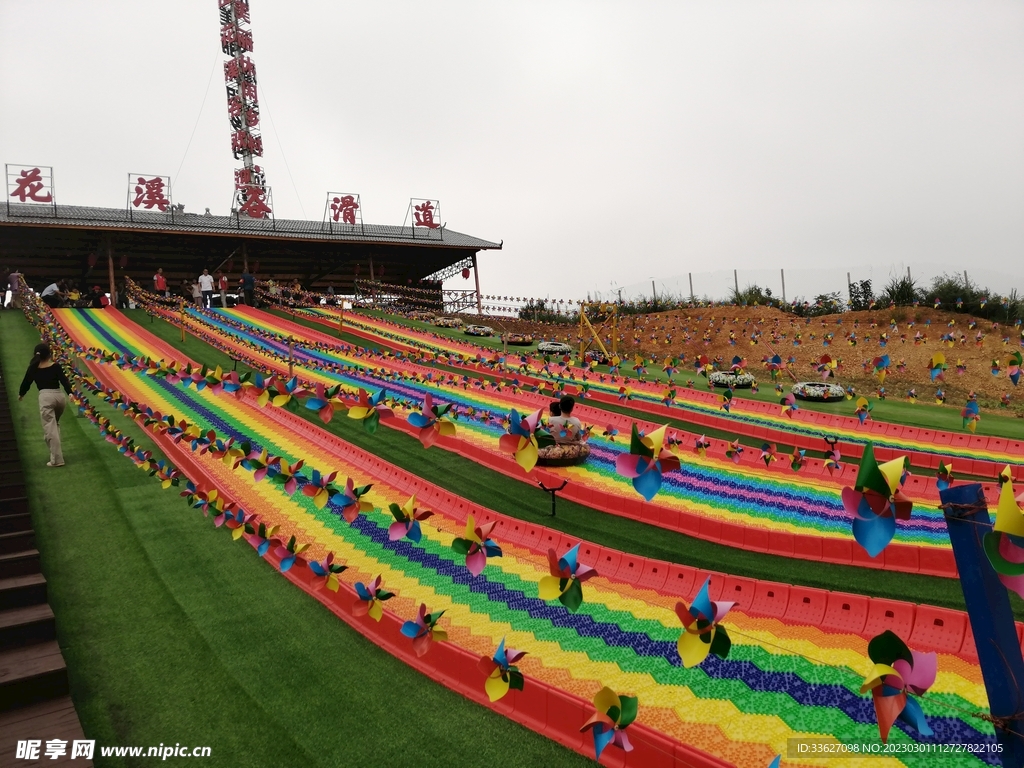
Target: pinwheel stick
{"type": "Point", "coordinates": [291, 353]}
{"type": "Point", "coordinates": [553, 492]}
{"type": "Point", "coordinates": [988, 607]}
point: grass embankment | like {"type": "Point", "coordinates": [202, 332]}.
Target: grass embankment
{"type": "Point", "coordinates": [525, 502]}
{"type": "Point", "coordinates": [173, 633]}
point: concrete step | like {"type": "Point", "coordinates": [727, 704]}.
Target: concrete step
{"type": "Point", "coordinates": [27, 625]}
{"type": "Point", "coordinates": [19, 591]}
{"type": "Point", "coordinates": [31, 673]}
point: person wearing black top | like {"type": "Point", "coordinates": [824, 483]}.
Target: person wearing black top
{"type": "Point", "coordinates": [49, 377]}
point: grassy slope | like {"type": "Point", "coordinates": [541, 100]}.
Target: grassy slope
{"type": "Point", "coordinates": [521, 501]}
{"type": "Point", "coordinates": [174, 633]}
{"type": "Point", "coordinates": [897, 411]}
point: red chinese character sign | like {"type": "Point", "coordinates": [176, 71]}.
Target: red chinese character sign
{"type": "Point", "coordinates": [426, 214]}
{"type": "Point", "coordinates": [149, 193]}
{"type": "Point", "coordinates": [252, 195]}
{"type": "Point", "coordinates": [343, 208]}
{"type": "Point", "coordinates": [30, 184]}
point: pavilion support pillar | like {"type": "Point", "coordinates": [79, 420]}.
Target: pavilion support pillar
{"type": "Point", "coordinates": [476, 276]}
{"type": "Point", "coordinates": [110, 272]}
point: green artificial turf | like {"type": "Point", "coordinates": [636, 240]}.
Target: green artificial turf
{"type": "Point", "coordinates": [522, 501]}
{"type": "Point", "coordinates": [173, 633]}
{"type": "Point", "coordinates": [896, 411]}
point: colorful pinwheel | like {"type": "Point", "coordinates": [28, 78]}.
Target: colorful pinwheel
{"type": "Point", "coordinates": [826, 367]}
{"type": "Point", "coordinates": [863, 411]}
{"type": "Point", "coordinates": [701, 445]}
{"type": "Point", "coordinates": [702, 632]}
{"type": "Point", "coordinates": [351, 501]}
{"type": "Point", "coordinates": [501, 671]}
{"type": "Point", "coordinates": [261, 537]}
{"type": "Point", "coordinates": [407, 521]}
{"type": "Point", "coordinates": [287, 474]}
{"type": "Point", "coordinates": [768, 451]}
{"type": "Point", "coordinates": [369, 409]}
{"type": "Point", "coordinates": [937, 367]}
{"type": "Point", "coordinates": [789, 405]}
{"type": "Point", "coordinates": [566, 578]}
{"type": "Point", "coordinates": [612, 715]}
{"type": "Point", "coordinates": [290, 553]}
{"type": "Point", "coordinates": [881, 367]}
{"type": "Point", "coordinates": [323, 401]}
{"type": "Point", "coordinates": [944, 477]}
{"type": "Point", "coordinates": [1004, 544]}
{"type": "Point", "coordinates": [734, 451]}
{"type": "Point", "coordinates": [971, 415]}
{"type": "Point", "coordinates": [320, 488]}
{"type": "Point", "coordinates": [797, 459]}
{"type": "Point", "coordinates": [371, 596]}
{"type": "Point", "coordinates": [898, 672]}
{"type": "Point", "coordinates": [423, 630]}
{"type": "Point", "coordinates": [1013, 366]}
{"type": "Point", "coordinates": [647, 461]}
{"type": "Point", "coordinates": [876, 501]}
{"type": "Point", "coordinates": [525, 438]}
{"type": "Point", "coordinates": [726, 400]}
{"type": "Point", "coordinates": [327, 570]}
{"type": "Point", "coordinates": [477, 545]}
{"type": "Point", "coordinates": [431, 422]}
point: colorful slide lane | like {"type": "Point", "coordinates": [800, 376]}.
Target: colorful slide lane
{"type": "Point", "coordinates": [976, 454]}
{"type": "Point", "coordinates": [774, 685]}
{"type": "Point", "coordinates": [748, 496]}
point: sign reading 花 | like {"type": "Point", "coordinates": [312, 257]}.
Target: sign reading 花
{"type": "Point", "coordinates": [343, 208]}
{"type": "Point", "coordinates": [31, 184]}
{"type": "Point", "coordinates": [149, 193]}
{"type": "Point", "coordinates": [425, 213]}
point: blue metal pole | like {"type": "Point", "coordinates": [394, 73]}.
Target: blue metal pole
{"type": "Point", "coordinates": [988, 607]}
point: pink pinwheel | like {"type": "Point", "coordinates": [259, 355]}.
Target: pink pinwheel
{"type": "Point", "coordinates": [407, 521]}
{"type": "Point", "coordinates": [477, 545]}
{"type": "Point", "coordinates": [768, 453]}
{"type": "Point", "coordinates": [370, 598]}
{"type": "Point", "coordinates": [431, 422]}
{"type": "Point", "coordinates": [566, 577]}
{"type": "Point", "coordinates": [326, 572]}
{"type": "Point", "coordinates": [351, 502]}
{"type": "Point", "coordinates": [734, 451]}
{"type": "Point", "coordinates": [261, 537]}
{"type": "Point", "coordinates": [647, 461]}
{"type": "Point", "coordinates": [501, 671]}
{"type": "Point", "coordinates": [236, 522]}
{"type": "Point", "coordinates": [423, 630]}
{"type": "Point", "coordinates": [287, 474]}
{"type": "Point", "coordinates": [789, 405]}
{"type": "Point", "coordinates": [525, 438]}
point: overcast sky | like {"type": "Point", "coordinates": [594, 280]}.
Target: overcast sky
{"type": "Point", "coordinates": [605, 143]}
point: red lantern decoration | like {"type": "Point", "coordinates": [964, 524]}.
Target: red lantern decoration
{"type": "Point", "coordinates": [92, 260]}
{"type": "Point", "coordinates": [465, 273]}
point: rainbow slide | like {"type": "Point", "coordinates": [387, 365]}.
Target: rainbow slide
{"type": "Point", "coordinates": [782, 679]}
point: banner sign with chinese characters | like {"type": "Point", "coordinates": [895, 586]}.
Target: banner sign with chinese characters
{"type": "Point", "coordinates": [148, 193]}
{"type": "Point", "coordinates": [343, 208]}
{"type": "Point", "coordinates": [30, 184]}
{"type": "Point", "coordinates": [425, 213]}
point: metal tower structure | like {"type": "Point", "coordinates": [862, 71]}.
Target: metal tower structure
{"type": "Point", "coordinates": [252, 195]}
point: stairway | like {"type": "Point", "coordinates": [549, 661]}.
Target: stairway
{"type": "Point", "coordinates": [34, 700]}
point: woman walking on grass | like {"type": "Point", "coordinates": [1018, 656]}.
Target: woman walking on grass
{"type": "Point", "coordinates": [49, 377]}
